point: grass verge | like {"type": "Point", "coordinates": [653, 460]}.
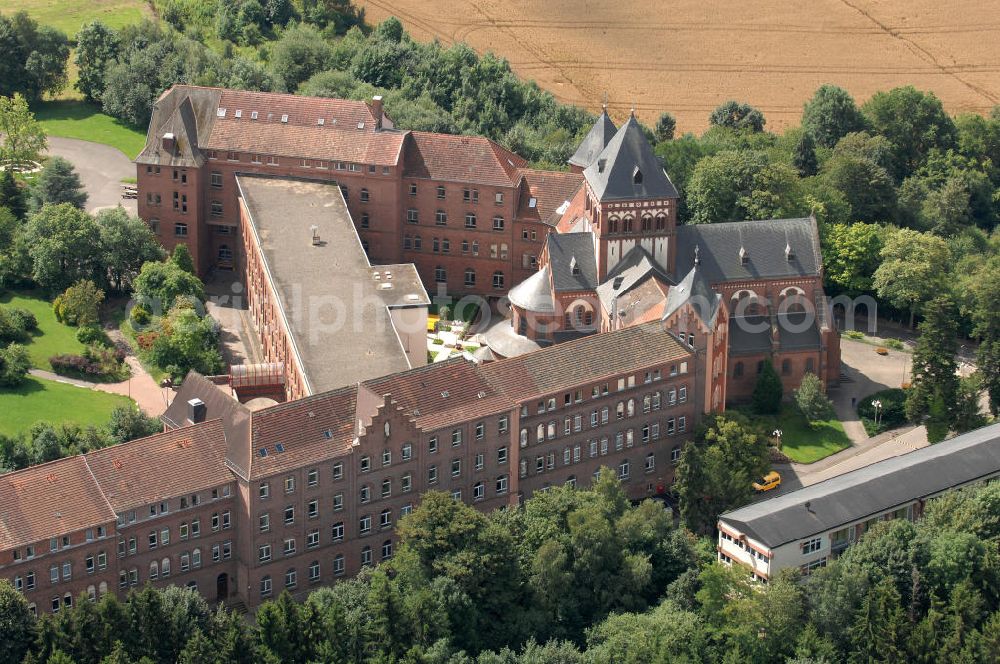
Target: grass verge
{"type": "Point", "coordinates": [52, 337]}
{"type": "Point", "coordinates": [36, 400]}
{"type": "Point", "coordinates": [77, 119]}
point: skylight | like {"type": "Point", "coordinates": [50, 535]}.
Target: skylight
{"type": "Point", "coordinates": [279, 448]}
{"type": "Point", "coordinates": [262, 452]}
{"type": "Point", "coordinates": [284, 118]}
{"type": "Point", "coordinates": [221, 112]}
{"type": "Point", "coordinates": [239, 113]}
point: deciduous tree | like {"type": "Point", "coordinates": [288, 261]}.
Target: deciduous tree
{"type": "Point", "coordinates": [913, 269]}
{"type": "Point", "coordinates": [830, 115]}
{"type": "Point", "coordinates": [23, 137]}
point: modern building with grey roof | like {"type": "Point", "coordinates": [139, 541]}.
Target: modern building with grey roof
{"type": "Point", "coordinates": [807, 527]}
{"type": "Point", "coordinates": [330, 316]}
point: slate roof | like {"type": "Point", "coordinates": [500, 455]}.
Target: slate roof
{"type": "Point", "coordinates": [633, 269]}
{"type": "Point", "coordinates": [562, 249]}
{"type": "Point", "coordinates": [534, 293]}
{"type": "Point", "coordinates": [871, 490]}
{"type": "Point", "coordinates": [594, 142]}
{"type": "Point", "coordinates": [749, 335]}
{"type": "Point", "coordinates": [50, 499]}
{"type": "Point", "coordinates": [695, 290]}
{"type": "Point", "coordinates": [612, 175]}
{"type": "Point", "coordinates": [719, 245]}
{"type": "Point", "coordinates": [450, 158]}
{"type": "Point", "coordinates": [173, 463]}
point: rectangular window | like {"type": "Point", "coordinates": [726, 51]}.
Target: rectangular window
{"type": "Point", "coordinates": [264, 553]}
{"type": "Point", "coordinates": [312, 539]}
{"type": "Point", "coordinates": [216, 180]}
{"type": "Point", "coordinates": [180, 230]}
{"type": "Point", "coordinates": [338, 470]}
{"type": "Point", "coordinates": [338, 502]}
{"type": "Point", "coordinates": [432, 475]}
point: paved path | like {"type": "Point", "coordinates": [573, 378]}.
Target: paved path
{"type": "Point", "coordinates": [101, 169]}
{"type": "Point", "coordinates": [141, 388]}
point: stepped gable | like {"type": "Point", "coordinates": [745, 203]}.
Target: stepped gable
{"type": "Point", "coordinates": [450, 158]}
{"type": "Point", "coordinates": [443, 393]}
{"type": "Point", "coordinates": [774, 249]}
{"type": "Point", "coordinates": [594, 142]}
{"type": "Point", "coordinates": [172, 463]}
{"type": "Point", "coordinates": [50, 500]}
{"type": "Point", "coordinates": [627, 169]}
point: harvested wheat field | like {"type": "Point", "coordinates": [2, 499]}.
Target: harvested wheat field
{"type": "Point", "coordinates": [687, 56]}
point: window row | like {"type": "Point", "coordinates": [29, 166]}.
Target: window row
{"type": "Point", "coordinates": [469, 195]}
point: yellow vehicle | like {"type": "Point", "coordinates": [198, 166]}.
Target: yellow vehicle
{"type": "Point", "coordinates": [770, 481]}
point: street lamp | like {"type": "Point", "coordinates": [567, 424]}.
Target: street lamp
{"type": "Point", "coordinates": [777, 438]}
{"type": "Point", "coordinates": [877, 405]}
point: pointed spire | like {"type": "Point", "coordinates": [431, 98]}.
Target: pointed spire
{"type": "Point", "coordinates": [697, 251]}
{"type": "Point", "coordinates": [604, 104]}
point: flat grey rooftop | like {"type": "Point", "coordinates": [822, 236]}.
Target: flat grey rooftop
{"type": "Point", "coordinates": [335, 310]}
{"type": "Point", "coordinates": [871, 490]}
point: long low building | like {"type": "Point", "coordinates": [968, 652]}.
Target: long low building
{"type": "Point", "coordinates": [808, 527]}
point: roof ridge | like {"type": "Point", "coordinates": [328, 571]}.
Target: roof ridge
{"type": "Point", "coordinates": [100, 489]}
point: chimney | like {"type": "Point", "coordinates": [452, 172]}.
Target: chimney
{"type": "Point", "coordinates": [168, 143]}
{"type": "Point", "coordinates": [315, 235]}
{"type": "Point", "coordinates": [196, 410]}
{"type": "Point", "coordinates": [377, 111]}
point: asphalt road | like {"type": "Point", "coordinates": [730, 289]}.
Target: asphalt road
{"type": "Point", "coordinates": [101, 170]}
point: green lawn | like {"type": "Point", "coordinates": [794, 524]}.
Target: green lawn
{"type": "Point", "coordinates": [800, 442]}
{"type": "Point", "coordinates": [70, 15]}
{"type": "Point", "coordinates": [54, 402]}
{"type": "Point", "coordinates": [804, 444]}
{"type": "Point", "coordinates": [77, 119]}
{"type": "Point", "coordinates": [52, 337]}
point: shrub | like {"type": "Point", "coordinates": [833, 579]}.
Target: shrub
{"type": "Point", "coordinates": [892, 414]}
{"type": "Point", "coordinates": [147, 339]}
{"type": "Point", "coordinates": [11, 327]}
{"type": "Point", "coordinates": [79, 304]}
{"type": "Point", "coordinates": [854, 334]}
{"type": "Point", "coordinates": [14, 365]}
{"type": "Point", "coordinates": [437, 342]}
{"type": "Point", "coordinates": [95, 362]}
{"type": "Point", "coordinates": [895, 344]}
{"type": "Point", "coordinates": [139, 315]}
{"type": "Point", "coordinates": [90, 335]}
{"type": "Point", "coordinates": [23, 318]}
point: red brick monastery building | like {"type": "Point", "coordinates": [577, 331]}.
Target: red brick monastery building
{"type": "Point", "coordinates": [624, 330]}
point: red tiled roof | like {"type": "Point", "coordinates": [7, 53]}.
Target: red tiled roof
{"type": "Point", "coordinates": [441, 394]}
{"type": "Point", "coordinates": [574, 363]}
{"type": "Point", "coordinates": [451, 158]}
{"type": "Point", "coordinates": [301, 111]}
{"type": "Point", "coordinates": [173, 463]}
{"type": "Point", "coordinates": [310, 431]}
{"type": "Point", "coordinates": [307, 142]}
{"type": "Point", "coordinates": [48, 500]}
{"type": "Point", "coordinates": [550, 189]}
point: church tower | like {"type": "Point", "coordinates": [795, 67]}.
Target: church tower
{"type": "Point", "coordinates": [630, 200]}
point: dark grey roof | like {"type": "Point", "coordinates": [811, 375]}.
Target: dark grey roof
{"type": "Point", "coordinates": [718, 249]}
{"type": "Point", "coordinates": [612, 175]}
{"type": "Point", "coordinates": [749, 335]}
{"type": "Point", "coordinates": [695, 290]}
{"type": "Point", "coordinates": [871, 490]}
{"type": "Point", "coordinates": [534, 293]}
{"type": "Point", "coordinates": [632, 270]}
{"type": "Point", "coordinates": [186, 112]}
{"type": "Point", "coordinates": [567, 249]}
{"type": "Point", "coordinates": [595, 141]}
{"type": "Point", "coordinates": [798, 331]}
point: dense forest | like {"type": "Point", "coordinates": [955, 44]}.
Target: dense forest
{"type": "Point", "coordinates": [573, 576]}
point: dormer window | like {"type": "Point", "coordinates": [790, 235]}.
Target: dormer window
{"type": "Point", "coordinates": [574, 267]}
{"type": "Point", "coordinates": [253, 115]}
{"type": "Point", "coordinates": [789, 254]}
{"type": "Point", "coordinates": [601, 164]}
{"type": "Point", "coordinates": [636, 176]}
{"type": "Point", "coordinates": [239, 113]}
{"type": "Point", "coordinates": [744, 256]}
{"type": "Point", "coordinates": [320, 121]}
{"type": "Point", "coordinates": [221, 112]}
{"type": "Point", "coordinates": [284, 119]}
